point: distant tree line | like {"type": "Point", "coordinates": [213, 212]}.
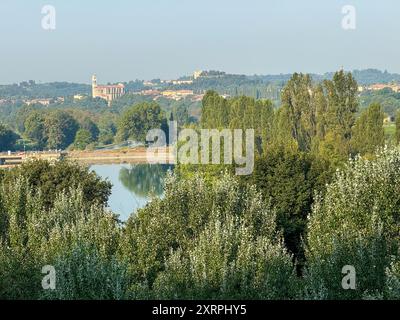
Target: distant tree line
{"type": "Point", "coordinates": [387, 98]}
{"type": "Point", "coordinates": [31, 89]}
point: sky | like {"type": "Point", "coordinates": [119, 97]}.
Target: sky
{"type": "Point", "coordinates": [124, 40]}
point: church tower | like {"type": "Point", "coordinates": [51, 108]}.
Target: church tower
{"type": "Point", "coordinates": [94, 86]}
{"type": "Point", "coordinates": [108, 92]}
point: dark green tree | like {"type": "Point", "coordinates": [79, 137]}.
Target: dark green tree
{"type": "Point", "coordinates": [107, 128]}
{"type": "Point", "coordinates": [8, 138]}
{"type": "Point", "coordinates": [298, 97]}
{"type": "Point", "coordinates": [35, 129]}
{"type": "Point", "coordinates": [136, 121]}
{"type": "Point", "coordinates": [60, 128]}
{"type": "Point", "coordinates": [288, 179]}
{"type": "Point", "coordinates": [82, 139]}
{"type": "Point", "coordinates": [340, 114]}
{"type": "Point", "coordinates": [88, 125]}
{"type": "Point", "coordinates": [55, 178]}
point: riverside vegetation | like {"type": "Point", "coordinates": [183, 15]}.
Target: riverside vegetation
{"type": "Point", "coordinates": [324, 194]}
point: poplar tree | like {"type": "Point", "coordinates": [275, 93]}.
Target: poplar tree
{"type": "Point", "coordinates": [298, 97]}
{"type": "Point", "coordinates": [398, 127]}
{"type": "Point", "coordinates": [368, 132]}
{"type": "Point", "coordinates": [341, 109]}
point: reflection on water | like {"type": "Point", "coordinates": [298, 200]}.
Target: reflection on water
{"type": "Point", "coordinates": [144, 179]}
{"type": "Point", "coordinates": [133, 185]}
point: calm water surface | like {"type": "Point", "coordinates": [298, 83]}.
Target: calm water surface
{"type": "Point", "coordinates": [132, 185]}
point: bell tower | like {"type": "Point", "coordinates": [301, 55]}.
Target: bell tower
{"type": "Point", "coordinates": [94, 85]}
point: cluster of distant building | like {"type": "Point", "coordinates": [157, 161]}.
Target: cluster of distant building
{"type": "Point", "coordinates": [380, 86]}
{"type": "Point", "coordinates": [44, 102]}
{"type": "Point", "coordinates": [155, 89]}
{"type": "Point", "coordinates": [171, 94]}
{"type": "Point", "coordinates": [107, 92]}
{"type": "Point", "coordinates": [112, 92]}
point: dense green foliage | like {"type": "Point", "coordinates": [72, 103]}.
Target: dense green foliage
{"type": "Point", "coordinates": [299, 145]}
{"type": "Point", "coordinates": [204, 240]}
{"type": "Point", "coordinates": [82, 139]}
{"type": "Point", "coordinates": [95, 258]}
{"type": "Point", "coordinates": [388, 99]}
{"type": "Point", "coordinates": [289, 180]}
{"type": "Point", "coordinates": [313, 118]}
{"type": "Point", "coordinates": [32, 236]}
{"type": "Point", "coordinates": [357, 223]}
{"type": "Point", "coordinates": [304, 99]}
{"type": "Point", "coordinates": [368, 132]}
{"type": "Point", "coordinates": [60, 130]}
{"type": "Point", "coordinates": [56, 126]}
{"type": "Point", "coordinates": [138, 120]}
{"type": "Point", "coordinates": [398, 127]}
{"type": "Point", "coordinates": [50, 179]}
{"type": "Point", "coordinates": [207, 229]}
{"type": "Point", "coordinates": [8, 138]}
{"type": "Point", "coordinates": [54, 130]}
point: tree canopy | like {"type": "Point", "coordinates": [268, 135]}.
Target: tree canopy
{"type": "Point", "coordinates": [136, 121]}
{"type": "Point", "coordinates": [8, 138]}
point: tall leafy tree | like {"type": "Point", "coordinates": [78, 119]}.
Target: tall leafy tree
{"type": "Point", "coordinates": [356, 223]}
{"type": "Point", "coordinates": [82, 139]}
{"type": "Point", "coordinates": [368, 132]}
{"type": "Point", "coordinates": [341, 109]}
{"type": "Point", "coordinates": [61, 129]}
{"type": "Point", "coordinates": [281, 133]}
{"type": "Point", "coordinates": [215, 111]}
{"type": "Point", "coordinates": [89, 125]}
{"type": "Point", "coordinates": [107, 125]}
{"type": "Point", "coordinates": [35, 128]}
{"type": "Point", "coordinates": [297, 96]}
{"type": "Point", "coordinates": [239, 113]}
{"type": "Point", "coordinates": [8, 138]}
{"type": "Point", "coordinates": [136, 121]}
{"type": "Point", "coordinates": [398, 127]}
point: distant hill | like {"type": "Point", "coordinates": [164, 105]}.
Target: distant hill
{"type": "Point", "coordinates": [31, 89]}
{"type": "Point", "coordinates": [371, 76]}
{"type": "Point", "coordinates": [363, 77]}
{"type": "Point", "coordinates": [257, 86]}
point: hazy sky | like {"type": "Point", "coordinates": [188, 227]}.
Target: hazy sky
{"type": "Point", "coordinates": [121, 40]}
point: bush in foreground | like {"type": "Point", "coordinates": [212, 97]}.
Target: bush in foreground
{"type": "Point", "coordinates": [357, 223]}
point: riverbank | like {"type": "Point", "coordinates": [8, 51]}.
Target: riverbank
{"type": "Point", "coordinates": [137, 155]}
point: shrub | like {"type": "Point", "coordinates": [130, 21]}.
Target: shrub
{"type": "Point", "coordinates": [32, 236]}
{"type": "Point", "coordinates": [52, 178]}
{"type": "Point", "coordinates": [208, 240]}
{"type": "Point", "coordinates": [356, 223]}
{"type": "Point", "coordinates": [393, 281]}
{"type": "Point", "coordinates": [83, 274]}
{"type": "Point", "coordinates": [227, 262]}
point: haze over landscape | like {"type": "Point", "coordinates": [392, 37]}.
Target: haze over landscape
{"type": "Point", "coordinates": [126, 40]}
